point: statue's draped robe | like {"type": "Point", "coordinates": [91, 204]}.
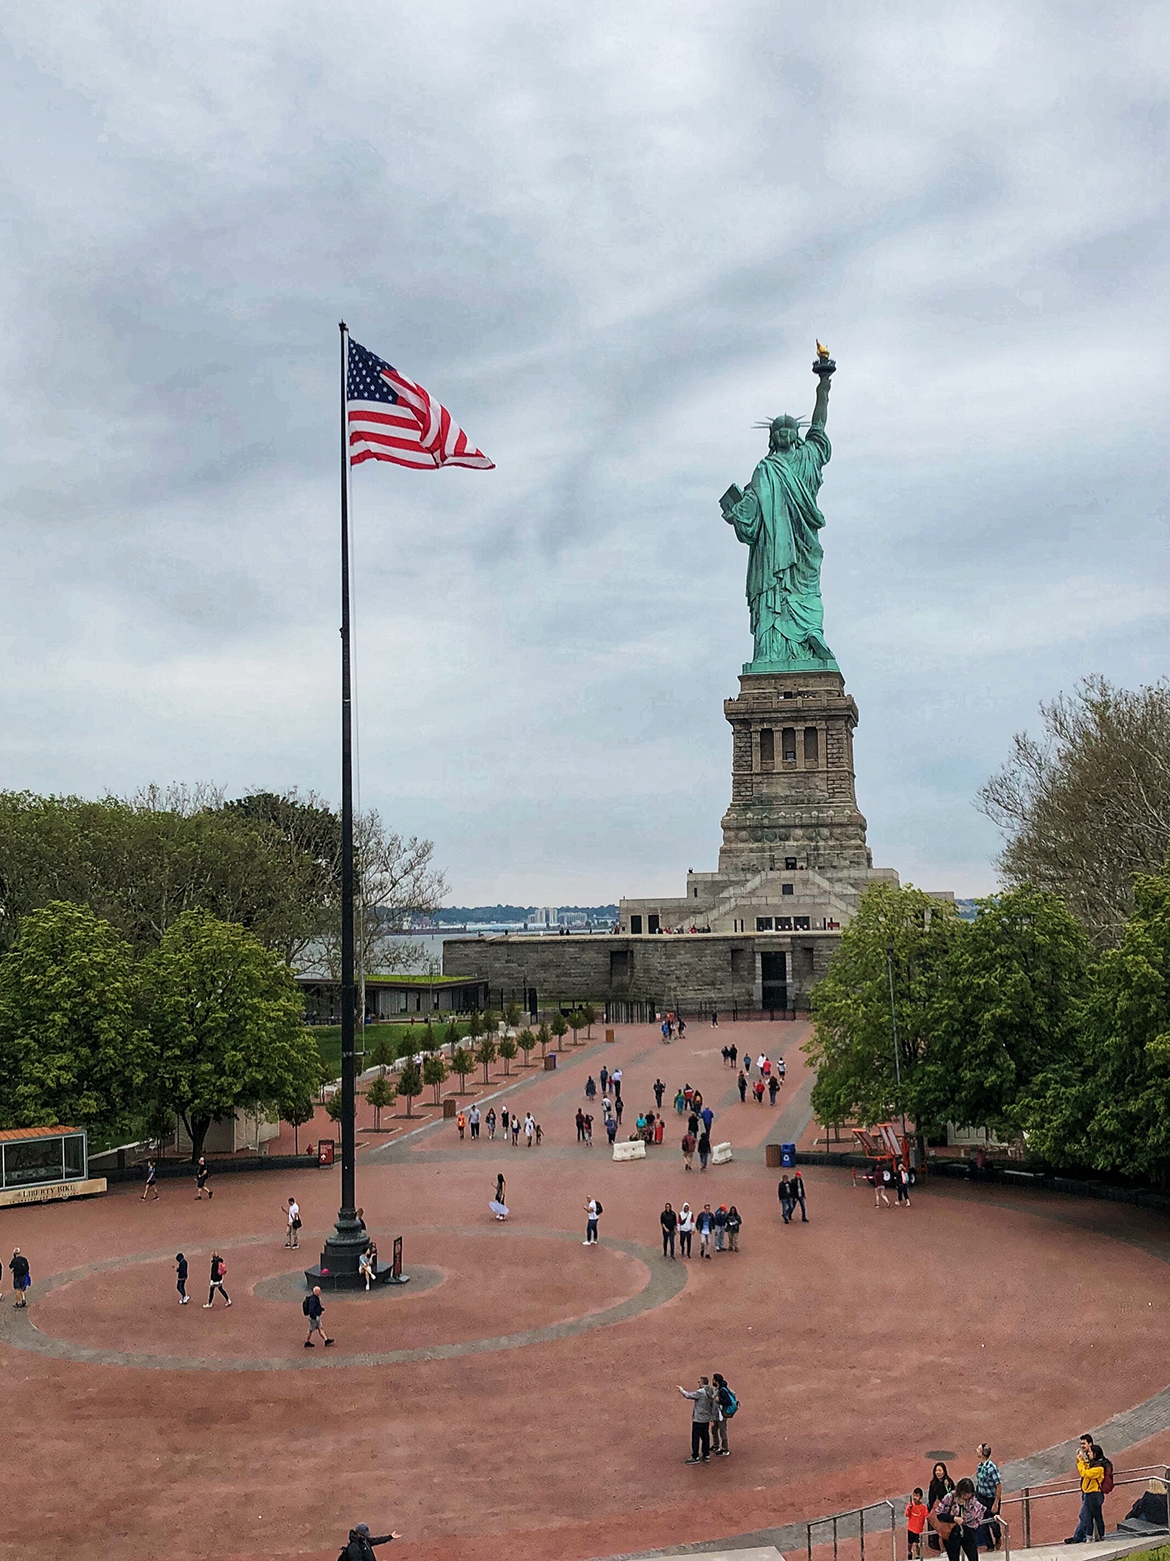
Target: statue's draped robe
{"type": "Point", "coordinates": [779, 520]}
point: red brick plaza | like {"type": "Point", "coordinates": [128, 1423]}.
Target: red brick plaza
{"type": "Point", "coordinates": [519, 1398]}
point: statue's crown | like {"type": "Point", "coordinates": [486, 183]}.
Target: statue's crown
{"type": "Point", "coordinates": [785, 421]}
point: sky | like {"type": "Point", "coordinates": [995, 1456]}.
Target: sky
{"type": "Point", "coordinates": [607, 238]}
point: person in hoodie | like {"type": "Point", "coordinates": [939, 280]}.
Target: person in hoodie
{"type": "Point", "coordinates": [360, 1546]}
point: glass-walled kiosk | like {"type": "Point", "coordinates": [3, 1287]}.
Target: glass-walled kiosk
{"type": "Point", "coordinates": [38, 1164]}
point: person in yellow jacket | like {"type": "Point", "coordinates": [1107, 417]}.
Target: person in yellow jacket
{"type": "Point", "coordinates": [1091, 1466]}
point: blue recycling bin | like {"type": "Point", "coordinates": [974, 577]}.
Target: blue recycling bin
{"type": "Point", "coordinates": [788, 1155]}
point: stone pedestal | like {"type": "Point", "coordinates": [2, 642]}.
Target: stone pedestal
{"type": "Point", "coordinates": [792, 783]}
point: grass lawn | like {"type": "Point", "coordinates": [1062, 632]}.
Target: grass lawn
{"type": "Point", "coordinates": [406, 1038]}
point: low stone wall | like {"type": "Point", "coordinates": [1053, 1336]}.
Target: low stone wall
{"type": "Point", "coordinates": [688, 972]}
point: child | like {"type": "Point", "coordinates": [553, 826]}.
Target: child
{"type": "Point", "coordinates": [915, 1523]}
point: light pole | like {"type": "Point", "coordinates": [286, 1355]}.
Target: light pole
{"type": "Point", "coordinates": [894, 1028]}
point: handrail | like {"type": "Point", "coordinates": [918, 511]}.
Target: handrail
{"type": "Point", "coordinates": [859, 1513]}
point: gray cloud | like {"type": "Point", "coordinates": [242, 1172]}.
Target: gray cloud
{"type": "Point", "coordinates": [606, 238]}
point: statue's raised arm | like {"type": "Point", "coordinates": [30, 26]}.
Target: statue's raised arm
{"type": "Point", "coordinates": [824, 368]}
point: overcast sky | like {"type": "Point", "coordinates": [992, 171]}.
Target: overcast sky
{"type": "Point", "coordinates": [606, 236]}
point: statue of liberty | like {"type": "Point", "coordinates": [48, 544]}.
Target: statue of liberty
{"type": "Point", "coordinates": [779, 520]}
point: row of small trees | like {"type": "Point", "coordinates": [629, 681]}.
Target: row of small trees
{"type": "Point", "coordinates": [486, 1045]}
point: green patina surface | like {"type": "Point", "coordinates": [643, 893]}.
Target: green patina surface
{"type": "Point", "coordinates": [778, 519]}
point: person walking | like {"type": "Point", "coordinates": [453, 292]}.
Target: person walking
{"type": "Point", "coordinates": [714, 1018]}
{"type": "Point", "coordinates": [784, 1193]}
{"type": "Point", "coordinates": [682, 1027]}
{"type": "Point", "coordinates": [904, 1185]}
{"type": "Point", "coordinates": [593, 1212]}
{"type": "Point", "coordinates": [314, 1309]}
{"type": "Point", "coordinates": [580, 1126]}
{"type": "Point", "coordinates": [473, 1121]}
{"type": "Point", "coordinates": [659, 1091]}
{"type": "Point", "coordinates": [758, 1091]}
{"type": "Point", "coordinates": [727, 1404]}
{"type": "Point", "coordinates": [989, 1489]}
{"type": "Point", "coordinates": [960, 1515]}
{"type": "Point", "coordinates": [218, 1272]}
{"type": "Point", "coordinates": [797, 1184]}
{"type": "Point", "coordinates": [604, 1077]}
{"type": "Point", "coordinates": [292, 1238]}
{"type": "Point", "coordinates": [702, 1411]}
{"type": "Point", "coordinates": [490, 1119]}
{"type": "Point", "coordinates": [733, 1053]}
{"type": "Point", "coordinates": [615, 1079]}
{"type": "Point", "coordinates": [202, 1172]}
{"type": "Point", "coordinates": [880, 1195]}
{"type": "Point", "coordinates": [742, 1082]}
{"type": "Point", "coordinates": [726, 1055]}
{"type": "Point", "coordinates": [1091, 1468]}
{"type": "Point", "coordinates": [590, 1089]}
{"type": "Point", "coordinates": [515, 1129]}
{"type": "Point", "coordinates": [618, 1107]}
{"type": "Point", "coordinates": [705, 1225]}
{"type": "Point", "coordinates": [611, 1129]}
{"type": "Point", "coordinates": [773, 1089]}
{"type": "Point", "coordinates": [588, 1131]}
{"type": "Point", "coordinates": [461, 1123]}
{"type": "Point", "coordinates": [504, 1122]}
{"type": "Point", "coordinates": [686, 1226]}
{"type": "Point", "coordinates": [21, 1279]}
{"type": "Point", "coordinates": [151, 1182]}
{"type": "Point", "coordinates": [941, 1485]}
{"type": "Point", "coordinates": [916, 1514]}
{"type": "Point", "coordinates": [360, 1546]}
{"type": "Point", "coordinates": [720, 1226]}
{"type": "Point", "coordinates": [734, 1225]}
{"type": "Point", "coordinates": [760, 1061]}
{"type": "Point", "coordinates": [181, 1271]}
{"type": "Point", "coordinates": [499, 1201]}
{"type": "Point", "coordinates": [708, 1117]}
{"type": "Point", "coordinates": [704, 1147]}
{"type": "Point", "coordinates": [668, 1219]}
{"type": "Point", "coordinates": [781, 1069]}
{"type": "Point", "coordinates": [529, 1130]}
{"type": "Point", "coordinates": [680, 1101]}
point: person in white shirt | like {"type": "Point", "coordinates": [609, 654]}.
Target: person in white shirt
{"type": "Point", "coordinates": [760, 1063]}
{"type": "Point", "coordinates": [529, 1128]}
{"type": "Point", "coordinates": [592, 1212]}
{"type": "Point", "coordinates": [686, 1226]}
{"type": "Point", "coordinates": [293, 1238]}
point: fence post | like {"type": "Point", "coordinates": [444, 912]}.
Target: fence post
{"type": "Point", "coordinates": [834, 1539]}
{"type": "Point", "coordinates": [1027, 1517]}
{"type": "Point", "coordinates": [861, 1524]}
{"type": "Point", "coordinates": [893, 1534]}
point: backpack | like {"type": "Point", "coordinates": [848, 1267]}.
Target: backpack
{"type": "Point", "coordinates": [597, 1206]}
{"type": "Point", "coordinates": [728, 1401]}
{"type": "Point", "coordinates": [1107, 1482]}
{"type": "Point", "coordinates": [305, 1306]}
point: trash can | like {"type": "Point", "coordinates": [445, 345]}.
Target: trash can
{"type": "Point", "coordinates": [550, 1062]}
{"type": "Point", "coordinates": [449, 1108]}
{"type": "Point", "coordinates": [772, 1156]}
{"type": "Point", "coordinates": [609, 1037]}
{"type": "Point", "coordinates": [325, 1152]}
{"type": "Point", "coordinates": [788, 1154]}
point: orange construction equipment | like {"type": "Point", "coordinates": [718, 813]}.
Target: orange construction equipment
{"type": "Point", "coordinates": [883, 1143]}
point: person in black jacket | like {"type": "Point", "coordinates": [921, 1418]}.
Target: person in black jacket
{"type": "Point", "coordinates": [360, 1546]}
{"type": "Point", "coordinates": [669, 1222]}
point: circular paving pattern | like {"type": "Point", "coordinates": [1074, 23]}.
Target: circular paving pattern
{"type": "Point", "coordinates": [27, 1330]}
{"type": "Point", "coordinates": [291, 1286]}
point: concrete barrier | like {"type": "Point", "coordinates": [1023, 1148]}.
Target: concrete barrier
{"type": "Point", "coordinates": [630, 1151]}
{"type": "Point", "coordinates": [721, 1154]}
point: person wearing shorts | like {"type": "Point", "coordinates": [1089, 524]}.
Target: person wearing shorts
{"type": "Point", "coordinates": [151, 1183]}
{"type": "Point", "coordinates": [202, 1172]}
{"type": "Point", "coordinates": [314, 1309]}
{"type": "Point", "coordinates": [915, 1523]}
{"type": "Point", "coordinates": [21, 1279]}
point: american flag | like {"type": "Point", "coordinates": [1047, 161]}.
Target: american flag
{"type": "Point", "coordinates": [393, 419]}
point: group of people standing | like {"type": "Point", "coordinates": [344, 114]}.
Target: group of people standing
{"type": "Point", "coordinates": [713, 1404]}
{"type": "Point", "coordinates": [719, 1227]}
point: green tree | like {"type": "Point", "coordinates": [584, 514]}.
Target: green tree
{"type": "Point", "coordinates": [382, 1054]}
{"type": "Point", "coordinates": [1006, 1011]}
{"type": "Point", "coordinates": [296, 1113]}
{"type": "Point", "coordinates": [852, 1046]}
{"type": "Point", "coordinates": [224, 1021]}
{"type": "Point", "coordinates": [434, 1073]}
{"type": "Point", "coordinates": [526, 1041]}
{"type": "Point", "coordinates": [576, 1023]}
{"type": "Point", "coordinates": [512, 1015]}
{"type": "Point", "coordinates": [462, 1063]}
{"type": "Point", "coordinates": [475, 1028]}
{"type": "Point", "coordinates": [486, 1053]}
{"type": "Point", "coordinates": [71, 1049]}
{"type": "Point", "coordinates": [451, 1036]}
{"type": "Point", "coordinates": [544, 1036]}
{"type": "Point", "coordinates": [508, 1050]}
{"type": "Point", "coordinates": [334, 1106]}
{"type": "Point", "coordinates": [559, 1028]}
{"type": "Point", "coordinates": [589, 1014]}
{"type": "Point", "coordinates": [1104, 1105]}
{"type": "Point", "coordinates": [491, 1022]}
{"type": "Point", "coordinates": [429, 1041]}
{"type": "Point", "coordinates": [410, 1082]}
{"type": "Point", "coordinates": [380, 1094]}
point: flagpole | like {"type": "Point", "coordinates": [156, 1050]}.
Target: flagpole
{"type": "Point", "coordinates": [339, 1259]}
